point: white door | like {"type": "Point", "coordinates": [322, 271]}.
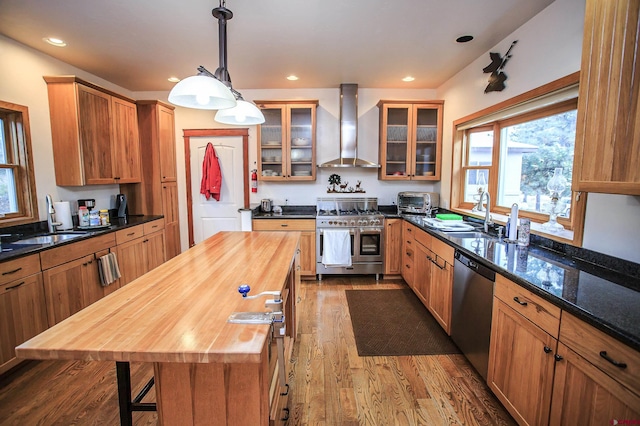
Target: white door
{"type": "Point", "coordinates": [211, 216]}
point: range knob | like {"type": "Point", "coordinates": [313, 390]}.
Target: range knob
{"type": "Point", "coordinates": [353, 222]}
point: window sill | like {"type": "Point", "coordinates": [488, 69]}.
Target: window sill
{"type": "Point", "coordinates": [565, 236]}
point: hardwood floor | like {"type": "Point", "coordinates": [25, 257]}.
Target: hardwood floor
{"type": "Point", "coordinates": [330, 384]}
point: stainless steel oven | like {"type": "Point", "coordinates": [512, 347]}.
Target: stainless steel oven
{"type": "Point", "coordinates": [366, 230]}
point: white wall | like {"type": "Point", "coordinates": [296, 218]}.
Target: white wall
{"type": "Point", "coordinates": [549, 47]}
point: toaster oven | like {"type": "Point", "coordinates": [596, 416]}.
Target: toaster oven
{"type": "Point", "coordinates": [412, 202]}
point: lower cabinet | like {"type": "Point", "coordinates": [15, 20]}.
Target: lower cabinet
{"type": "Point", "coordinates": [307, 227]}
{"type": "Point", "coordinates": [441, 284]}
{"type": "Point", "coordinates": [422, 264]}
{"type": "Point", "coordinates": [140, 249]}
{"type": "Point", "coordinates": [23, 314]}
{"type": "Point", "coordinates": [393, 246]}
{"type": "Point", "coordinates": [408, 252]}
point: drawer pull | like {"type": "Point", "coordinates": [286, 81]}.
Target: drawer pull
{"type": "Point", "coordinates": [515, 299]}
{"type": "Point", "coordinates": [19, 284]}
{"type": "Point", "coordinates": [604, 355]}
{"type": "Point", "coordinates": [547, 349]}
{"type": "Point", "coordinates": [130, 234]}
{"type": "Point", "coordinates": [284, 225]}
{"type": "Point", "coordinates": [12, 272]}
{"type": "Point", "coordinates": [287, 391]}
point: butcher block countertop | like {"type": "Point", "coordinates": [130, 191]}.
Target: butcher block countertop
{"type": "Point", "coordinates": [177, 313]}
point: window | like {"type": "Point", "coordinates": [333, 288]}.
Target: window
{"type": "Point", "coordinates": [513, 150]}
{"type": "Point", "coordinates": [17, 185]}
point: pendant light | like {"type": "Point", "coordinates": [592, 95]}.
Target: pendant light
{"type": "Point", "coordinates": [232, 108]}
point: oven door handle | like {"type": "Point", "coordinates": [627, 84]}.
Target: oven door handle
{"type": "Point", "coordinates": [351, 231]}
{"type": "Point", "coordinates": [375, 231]}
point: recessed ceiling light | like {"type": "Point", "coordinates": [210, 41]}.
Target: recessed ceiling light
{"type": "Point", "coordinates": [55, 41]}
{"type": "Point", "coordinates": [408, 78]}
{"type": "Point", "coordinates": [173, 79]}
{"type": "Point", "coordinates": [292, 77]}
{"type": "Point", "coordinates": [464, 39]}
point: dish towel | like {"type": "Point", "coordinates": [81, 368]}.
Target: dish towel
{"type": "Point", "coordinates": [336, 248]}
{"type": "Point", "coordinates": [108, 269]}
{"type": "Point", "coordinates": [211, 175]}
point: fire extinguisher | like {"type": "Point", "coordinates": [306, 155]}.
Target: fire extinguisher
{"type": "Point", "coordinates": [254, 180]}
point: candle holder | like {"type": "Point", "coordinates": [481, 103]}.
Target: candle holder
{"type": "Point", "coordinates": [556, 186]}
{"type": "Point", "coordinates": [482, 182]}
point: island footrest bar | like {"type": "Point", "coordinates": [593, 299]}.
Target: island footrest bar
{"type": "Point", "coordinates": [127, 405]}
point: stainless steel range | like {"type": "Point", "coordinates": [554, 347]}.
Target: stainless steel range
{"type": "Point", "coordinates": [365, 224]}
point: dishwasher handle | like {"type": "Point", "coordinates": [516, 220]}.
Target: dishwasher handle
{"type": "Point", "coordinates": [475, 266]}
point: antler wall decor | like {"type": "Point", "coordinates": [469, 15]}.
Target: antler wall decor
{"type": "Point", "coordinates": [497, 77]}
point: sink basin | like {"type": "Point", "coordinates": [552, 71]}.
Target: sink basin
{"type": "Point", "coordinates": [471, 234]}
{"type": "Point", "coordinates": [49, 239]}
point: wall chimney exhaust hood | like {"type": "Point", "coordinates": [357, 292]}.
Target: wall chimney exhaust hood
{"type": "Point", "coordinates": [349, 131]}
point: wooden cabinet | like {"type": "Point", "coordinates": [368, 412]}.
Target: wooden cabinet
{"type": "Point", "coordinates": [287, 140]}
{"type": "Point", "coordinates": [524, 332]}
{"type": "Point", "coordinates": [157, 194]}
{"type": "Point", "coordinates": [307, 227]}
{"type": "Point", "coordinates": [440, 287]}
{"type": "Point", "coordinates": [23, 314]}
{"type": "Point", "coordinates": [393, 246]}
{"type": "Point", "coordinates": [410, 140]}
{"type": "Point", "coordinates": [94, 133]}
{"type": "Point", "coordinates": [140, 249]}
{"type": "Point", "coordinates": [408, 252]}
{"type": "Point", "coordinates": [71, 278]}
{"type": "Point", "coordinates": [423, 266]}
{"type": "Point", "coordinates": [608, 124]}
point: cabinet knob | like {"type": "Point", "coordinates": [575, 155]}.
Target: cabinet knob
{"type": "Point", "coordinates": [558, 357]}
{"type": "Point", "coordinates": [547, 349]}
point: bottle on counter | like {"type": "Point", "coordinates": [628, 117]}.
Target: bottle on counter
{"type": "Point", "coordinates": [83, 216]}
{"type": "Point", "coordinates": [104, 217]}
{"type": "Point", "coordinates": [94, 218]}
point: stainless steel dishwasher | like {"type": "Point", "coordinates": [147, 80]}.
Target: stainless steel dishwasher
{"type": "Point", "coordinates": [472, 303]}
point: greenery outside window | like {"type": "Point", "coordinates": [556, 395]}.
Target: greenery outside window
{"type": "Point", "coordinates": [512, 149]}
{"type": "Point", "coordinates": [18, 202]}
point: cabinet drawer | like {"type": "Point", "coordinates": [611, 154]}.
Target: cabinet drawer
{"type": "Point", "coordinates": [423, 237]}
{"type": "Point", "coordinates": [408, 230]}
{"type": "Point", "coordinates": [68, 252]}
{"type": "Point", "coordinates": [537, 310]}
{"type": "Point", "coordinates": [129, 234]}
{"type": "Point", "coordinates": [442, 250]}
{"type": "Point", "coordinates": [594, 345]}
{"type": "Point", "coordinates": [19, 268]}
{"type": "Point", "coordinates": [284, 225]}
{"type": "Point", "coordinates": [154, 226]}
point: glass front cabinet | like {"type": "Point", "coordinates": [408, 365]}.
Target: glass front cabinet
{"type": "Point", "coordinates": [287, 140]}
{"type": "Point", "coordinates": [410, 140]}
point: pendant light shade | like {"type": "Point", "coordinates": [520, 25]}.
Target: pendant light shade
{"type": "Point", "coordinates": [244, 113]}
{"type": "Point", "coordinates": [202, 92]}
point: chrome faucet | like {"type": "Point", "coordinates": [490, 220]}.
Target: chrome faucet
{"type": "Point", "coordinates": [51, 215]}
{"type": "Point", "coordinates": [487, 213]}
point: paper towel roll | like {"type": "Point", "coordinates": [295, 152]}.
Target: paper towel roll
{"type": "Point", "coordinates": [63, 214]}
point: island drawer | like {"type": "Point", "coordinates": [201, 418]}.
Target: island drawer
{"type": "Point", "coordinates": [537, 310]}
{"type": "Point", "coordinates": [608, 354]}
{"type": "Point", "coordinates": [19, 268]}
{"type": "Point", "coordinates": [284, 225]}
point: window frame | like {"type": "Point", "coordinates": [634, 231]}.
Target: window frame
{"type": "Point", "coordinates": [19, 158]}
{"type": "Point", "coordinates": [462, 127]}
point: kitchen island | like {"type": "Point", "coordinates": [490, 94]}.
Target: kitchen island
{"type": "Point", "coordinates": [206, 370]}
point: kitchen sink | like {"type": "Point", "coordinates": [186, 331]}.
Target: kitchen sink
{"type": "Point", "coordinates": [471, 234]}
{"type": "Point", "coordinates": [50, 238]}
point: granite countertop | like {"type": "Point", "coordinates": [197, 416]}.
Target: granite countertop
{"type": "Point", "coordinates": [15, 249]}
{"type": "Point", "coordinates": [603, 297]}
{"type": "Point", "coordinates": [288, 212]}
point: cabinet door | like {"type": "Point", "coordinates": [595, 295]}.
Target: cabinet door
{"type": "Point", "coordinates": [584, 395]}
{"type": "Point", "coordinates": [167, 144]}
{"type": "Point", "coordinates": [393, 247]}
{"type": "Point", "coordinates": [521, 365]}
{"type": "Point", "coordinates": [439, 292]}
{"type": "Point", "coordinates": [154, 250]}
{"type": "Point", "coordinates": [131, 260]}
{"type": "Point", "coordinates": [396, 122]}
{"type": "Point", "coordinates": [301, 142]}
{"type": "Point", "coordinates": [308, 254]}
{"type": "Point", "coordinates": [422, 279]}
{"type": "Point", "coordinates": [64, 288]}
{"type": "Point", "coordinates": [172, 224]}
{"type": "Point", "coordinates": [272, 148]}
{"type": "Point", "coordinates": [94, 111]}
{"type": "Point", "coordinates": [607, 130]}
{"type": "Point", "coordinates": [23, 314]}
{"type": "Point", "coordinates": [426, 142]}
{"type": "Point", "coordinates": [125, 145]}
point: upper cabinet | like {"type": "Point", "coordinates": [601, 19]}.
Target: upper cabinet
{"type": "Point", "coordinates": [410, 140]}
{"type": "Point", "coordinates": [287, 140]}
{"type": "Point", "coordinates": [94, 133]}
{"type": "Point", "coordinates": [608, 125]}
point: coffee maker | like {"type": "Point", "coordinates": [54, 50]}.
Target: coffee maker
{"type": "Point", "coordinates": [89, 203]}
{"type": "Point", "coordinates": [121, 206]}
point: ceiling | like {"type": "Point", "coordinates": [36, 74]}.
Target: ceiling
{"type": "Point", "coordinates": [139, 44]}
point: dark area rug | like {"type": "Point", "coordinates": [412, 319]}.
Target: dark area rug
{"type": "Point", "coordinates": [395, 323]}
